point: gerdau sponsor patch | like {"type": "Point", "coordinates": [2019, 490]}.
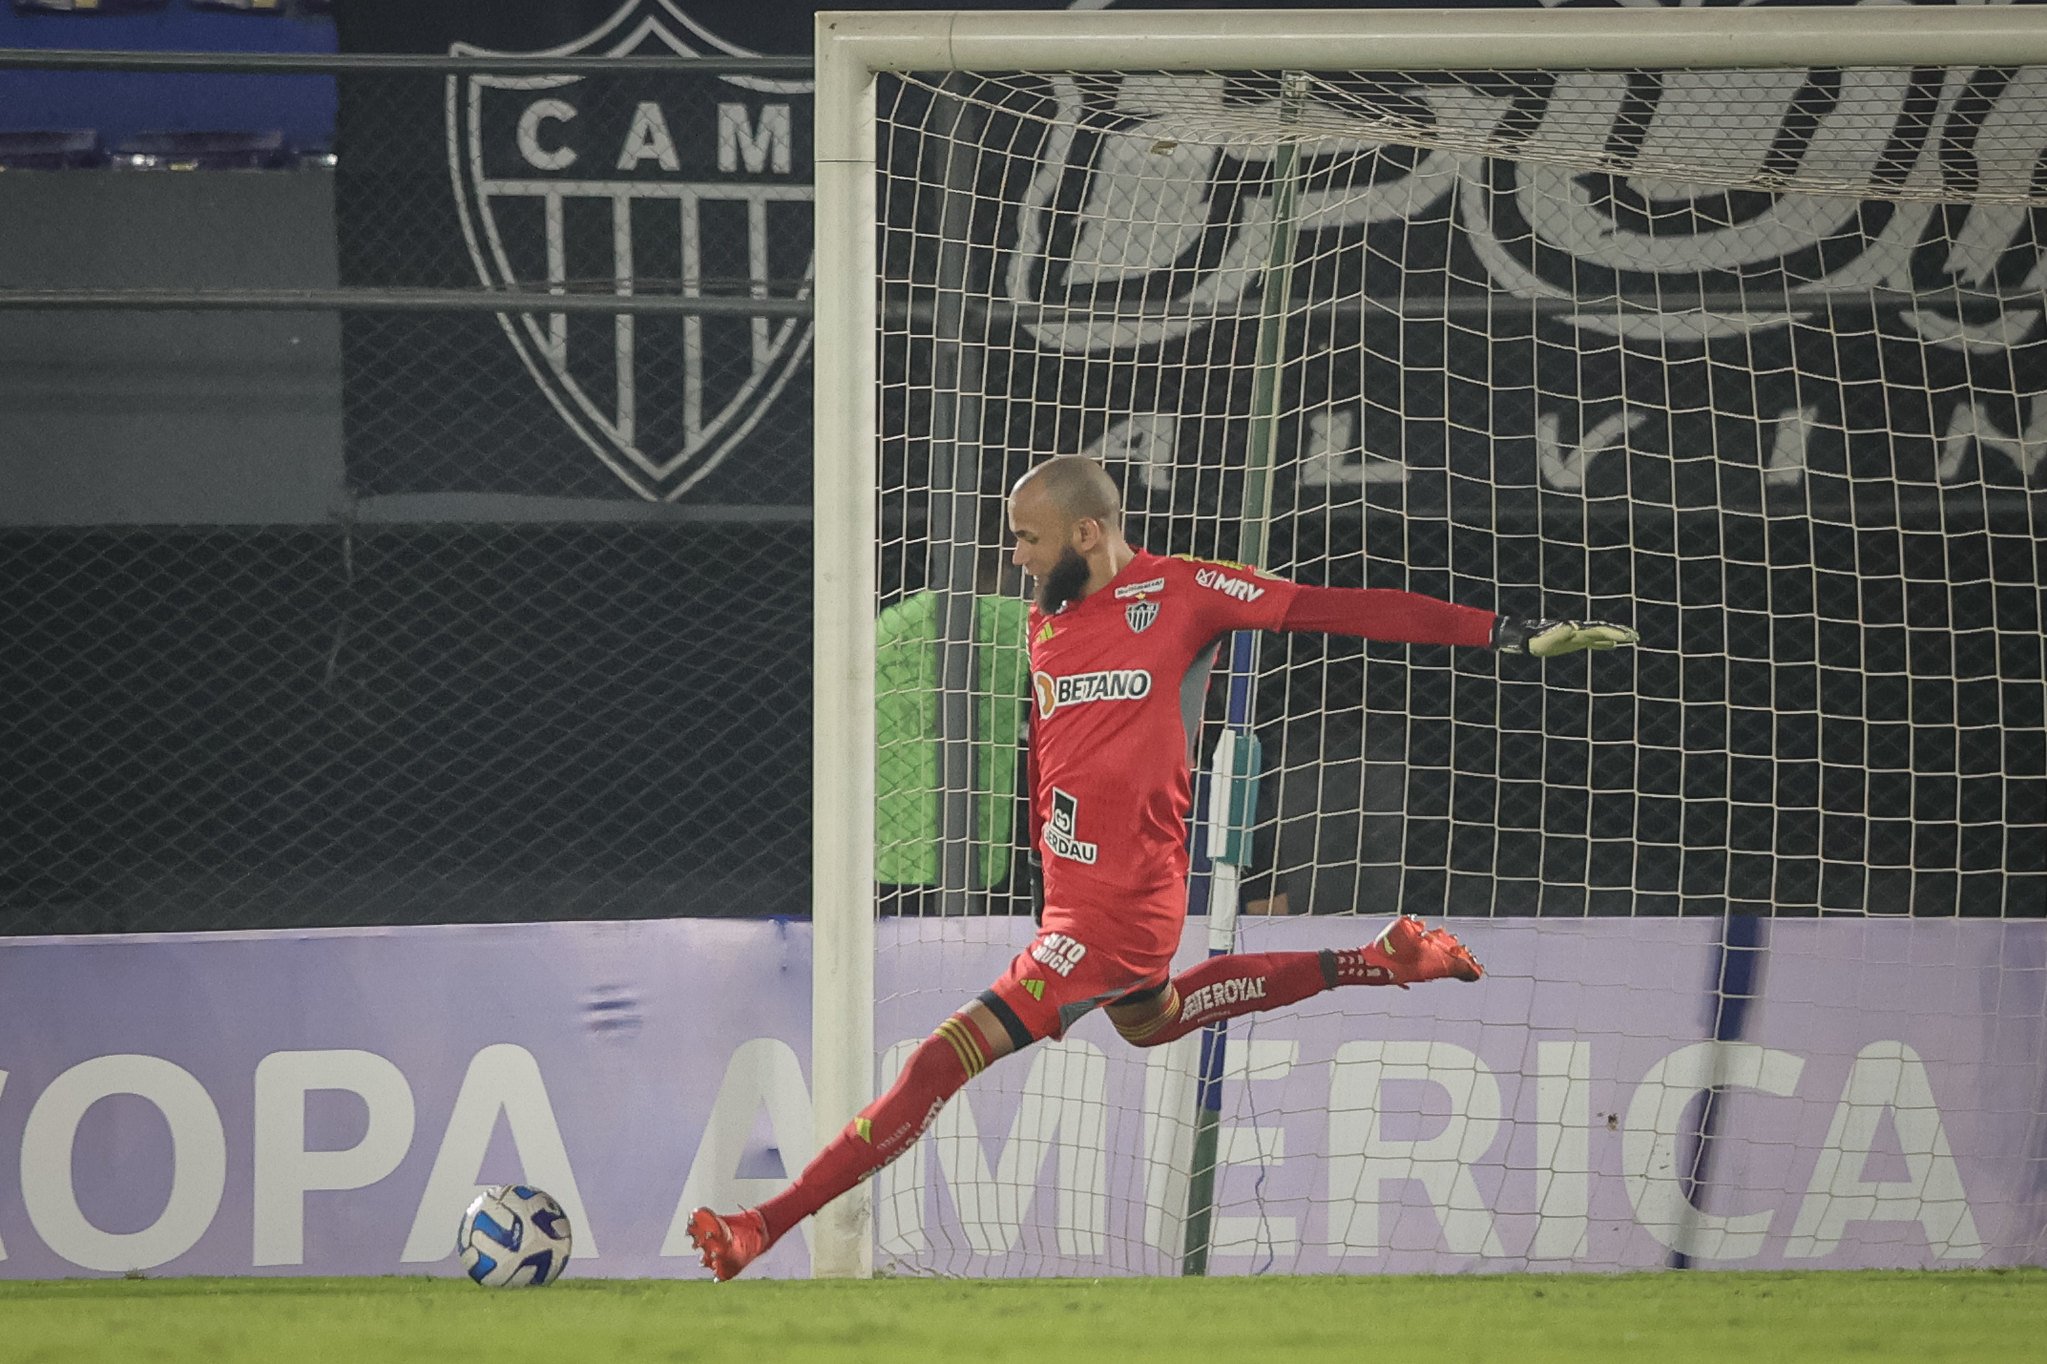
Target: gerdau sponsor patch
{"type": "Point", "coordinates": [1062, 831]}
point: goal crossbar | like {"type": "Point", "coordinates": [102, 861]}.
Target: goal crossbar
{"type": "Point", "coordinates": [1420, 40]}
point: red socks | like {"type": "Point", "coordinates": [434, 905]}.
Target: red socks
{"type": "Point", "coordinates": [1367, 965]}
{"type": "Point", "coordinates": [941, 1064]}
{"type": "Point", "coordinates": [1242, 983]}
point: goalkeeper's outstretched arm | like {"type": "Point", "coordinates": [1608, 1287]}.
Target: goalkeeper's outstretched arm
{"type": "Point", "coordinates": [1411, 618]}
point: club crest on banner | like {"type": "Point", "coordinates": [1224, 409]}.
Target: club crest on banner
{"type": "Point", "coordinates": [620, 182]}
{"type": "Point", "coordinates": [1141, 614]}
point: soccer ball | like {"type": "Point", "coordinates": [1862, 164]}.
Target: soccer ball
{"type": "Point", "coordinates": [513, 1236]}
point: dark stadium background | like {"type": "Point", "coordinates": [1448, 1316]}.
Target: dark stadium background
{"type": "Point", "coordinates": [313, 619]}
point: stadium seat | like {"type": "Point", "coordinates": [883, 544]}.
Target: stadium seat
{"type": "Point", "coordinates": [121, 105]}
{"type": "Point", "coordinates": [88, 6]}
{"type": "Point", "coordinates": [51, 149]}
{"type": "Point", "coordinates": [214, 150]}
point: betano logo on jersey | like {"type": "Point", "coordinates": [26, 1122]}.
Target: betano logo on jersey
{"type": "Point", "coordinates": [1080, 689]}
{"type": "Point", "coordinates": [627, 179]}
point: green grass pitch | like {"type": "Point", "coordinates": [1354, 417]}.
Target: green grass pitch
{"type": "Point", "coordinates": [1973, 1315]}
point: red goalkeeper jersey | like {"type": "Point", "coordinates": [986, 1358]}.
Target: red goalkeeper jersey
{"type": "Point", "coordinates": [1117, 680]}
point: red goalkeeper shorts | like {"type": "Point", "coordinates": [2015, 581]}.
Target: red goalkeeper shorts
{"type": "Point", "coordinates": [1060, 978]}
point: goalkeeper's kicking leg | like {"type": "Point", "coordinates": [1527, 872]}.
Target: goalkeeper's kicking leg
{"type": "Point", "coordinates": [1052, 983]}
{"type": "Point", "coordinates": [1248, 982]}
{"type": "Point", "coordinates": [964, 1045]}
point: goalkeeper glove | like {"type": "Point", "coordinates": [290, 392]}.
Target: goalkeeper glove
{"type": "Point", "coordinates": [1034, 872]}
{"type": "Point", "coordinates": [1549, 638]}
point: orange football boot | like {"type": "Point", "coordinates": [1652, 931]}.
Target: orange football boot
{"type": "Point", "coordinates": [728, 1244]}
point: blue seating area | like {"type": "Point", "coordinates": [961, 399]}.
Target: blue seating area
{"type": "Point", "coordinates": [131, 120]}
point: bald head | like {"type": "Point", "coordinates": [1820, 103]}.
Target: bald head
{"type": "Point", "coordinates": [1067, 516]}
{"type": "Point", "coordinates": [1077, 486]}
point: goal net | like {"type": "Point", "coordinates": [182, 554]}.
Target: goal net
{"type": "Point", "coordinates": [1747, 353]}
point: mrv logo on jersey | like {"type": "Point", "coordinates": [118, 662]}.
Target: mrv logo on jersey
{"type": "Point", "coordinates": [1217, 580]}
{"type": "Point", "coordinates": [624, 182]}
{"type": "Point", "coordinates": [1117, 684]}
{"type": "Point", "coordinates": [1060, 831]}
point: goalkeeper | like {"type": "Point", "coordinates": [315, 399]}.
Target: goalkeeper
{"type": "Point", "coordinates": [1121, 642]}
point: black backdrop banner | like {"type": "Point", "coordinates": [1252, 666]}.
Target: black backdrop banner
{"type": "Point", "coordinates": [595, 184]}
{"type": "Point", "coordinates": [601, 184]}
{"type": "Point", "coordinates": [678, 184]}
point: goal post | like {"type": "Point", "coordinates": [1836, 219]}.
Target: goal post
{"type": "Point", "coordinates": [1599, 521]}
{"type": "Point", "coordinates": [843, 777]}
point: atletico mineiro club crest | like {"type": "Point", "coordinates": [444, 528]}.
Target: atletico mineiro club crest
{"type": "Point", "coordinates": [1141, 614]}
{"type": "Point", "coordinates": [605, 182]}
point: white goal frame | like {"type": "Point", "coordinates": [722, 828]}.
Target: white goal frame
{"type": "Point", "coordinates": [852, 48]}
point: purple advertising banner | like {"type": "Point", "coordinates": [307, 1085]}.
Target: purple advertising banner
{"type": "Point", "coordinates": [327, 1102]}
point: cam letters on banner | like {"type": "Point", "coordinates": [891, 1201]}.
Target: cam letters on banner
{"type": "Point", "coordinates": [598, 183]}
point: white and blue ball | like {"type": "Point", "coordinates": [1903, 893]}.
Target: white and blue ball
{"type": "Point", "coordinates": [514, 1236]}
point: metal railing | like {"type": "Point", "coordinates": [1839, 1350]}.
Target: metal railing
{"type": "Point", "coordinates": [539, 649]}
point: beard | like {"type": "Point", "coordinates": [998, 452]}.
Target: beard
{"type": "Point", "coordinates": [1064, 583]}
